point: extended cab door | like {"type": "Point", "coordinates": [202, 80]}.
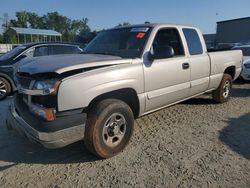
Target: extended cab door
{"type": "Point", "coordinates": [167, 80]}
{"type": "Point", "coordinates": [199, 61]}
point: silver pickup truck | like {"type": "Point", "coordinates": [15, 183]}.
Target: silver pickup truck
{"type": "Point", "coordinates": [124, 73]}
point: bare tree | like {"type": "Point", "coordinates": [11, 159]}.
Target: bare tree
{"type": "Point", "coordinates": [5, 20]}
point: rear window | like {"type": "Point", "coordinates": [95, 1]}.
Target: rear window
{"type": "Point", "coordinates": [245, 50]}
{"type": "Point", "coordinates": [193, 41]}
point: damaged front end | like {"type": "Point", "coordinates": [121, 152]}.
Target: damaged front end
{"type": "Point", "coordinates": [39, 93]}
{"type": "Point", "coordinates": [34, 112]}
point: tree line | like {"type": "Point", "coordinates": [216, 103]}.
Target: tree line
{"type": "Point", "coordinates": [69, 28]}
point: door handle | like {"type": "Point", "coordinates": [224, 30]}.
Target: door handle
{"type": "Point", "coordinates": [185, 65]}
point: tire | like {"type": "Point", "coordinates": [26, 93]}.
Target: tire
{"type": "Point", "coordinates": [5, 88]}
{"type": "Point", "coordinates": [223, 92]}
{"type": "Point", "coordinates": [104, 137]}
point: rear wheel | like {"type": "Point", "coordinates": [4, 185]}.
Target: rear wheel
{"type": "Point", "coordinates": [223, 92]}
{"type": "Point", "coordinates": [109, 128]}
{"type": "Point", "coordinates": [5, 88]}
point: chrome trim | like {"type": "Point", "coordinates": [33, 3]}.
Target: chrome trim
{"type": "Point", "coordinates": [6, 66]}
{"type": "Point", "coordinates": [30, 92]}
{"type": "Point", "coordinates": [49, 140]}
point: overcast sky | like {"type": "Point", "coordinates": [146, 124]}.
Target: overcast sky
{"type": "Point", "coordinates": [108, 13]}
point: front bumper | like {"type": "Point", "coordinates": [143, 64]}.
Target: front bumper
{"type": "Point", "coordinates": [50, 140]}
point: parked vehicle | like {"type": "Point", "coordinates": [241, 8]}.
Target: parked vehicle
{"type": "Point", "coordinates": [124, 73]}
{"type": "Point", "coordinates": [245, 74]}
{"type": "Point", "coordinates": [7, 61]}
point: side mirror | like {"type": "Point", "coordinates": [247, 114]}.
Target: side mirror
{"type": "Point", "coordinates": [161, 52]}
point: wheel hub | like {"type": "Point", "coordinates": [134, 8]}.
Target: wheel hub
{"type": "Point", "coordinates": [226, 89]}
{"type": "Point", "coordinates": [114, 130]}
{"type": "Point", "coordinates": [3, 89]}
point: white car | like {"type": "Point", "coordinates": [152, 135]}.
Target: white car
{"type": "Point", "coordinates": [246, 63]}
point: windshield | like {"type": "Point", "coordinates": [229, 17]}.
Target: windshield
{"type": "Point", "coordinates": [245, 50]}
{"type": "Point", "coordinates": [123, 42]}
{"type": "Point", "coordinates": [12, 53]}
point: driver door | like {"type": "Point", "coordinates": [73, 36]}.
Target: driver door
{"type": "Point", "coordinates": [167, 80]}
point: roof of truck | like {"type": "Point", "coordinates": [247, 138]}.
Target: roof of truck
{"type": "Point", "coordinates": [152, 25]}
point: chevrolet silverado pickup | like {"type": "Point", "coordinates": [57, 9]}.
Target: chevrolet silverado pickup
{"type": "Point", "coordinates": [124, 73]}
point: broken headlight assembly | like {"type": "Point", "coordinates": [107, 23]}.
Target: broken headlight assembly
{"type": "Point", "coordinates": [48, 87]}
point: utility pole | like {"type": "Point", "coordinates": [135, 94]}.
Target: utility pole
{"type": "Point", "coordinates": [216, 25]}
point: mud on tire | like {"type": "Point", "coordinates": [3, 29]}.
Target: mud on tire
{"type": "Point", "coordinates": [109, 128]}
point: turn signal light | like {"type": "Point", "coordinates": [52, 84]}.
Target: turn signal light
{"type": "Point", "coordinates": [49, 115]}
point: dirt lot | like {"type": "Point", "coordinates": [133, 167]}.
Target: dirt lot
{"type": "Point", "coordinates": [197, 143]}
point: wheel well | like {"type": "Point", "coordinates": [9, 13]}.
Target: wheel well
{"type": "Point", "coordinates": [230, 71]}
{"type": "Point", "coordinates": [127, 95]}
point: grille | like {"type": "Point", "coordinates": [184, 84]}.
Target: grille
{"type": "Point", "coordinates": [23, 80]}
{"type": "Point", "coordinates": [49, 101]}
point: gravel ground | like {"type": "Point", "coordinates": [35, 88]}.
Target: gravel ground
{"type": "Point", "coordinates": [194, 144]}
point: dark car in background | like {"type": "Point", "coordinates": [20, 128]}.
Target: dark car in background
{"type": "Point", "coordinates": [7, 84]}
{"type": "Point", "coordinates": [245, 74]}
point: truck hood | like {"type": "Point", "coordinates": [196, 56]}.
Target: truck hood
{"type": "Point", "coordinates": [64, 63]}
{"type": "Point", "coordinates": [4, 63]}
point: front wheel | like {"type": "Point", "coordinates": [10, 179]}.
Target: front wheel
{"type": "Point", "coordinates": [223, 92]}
{"type": "Point", "coordinates": [5, 88]}
{"type": "Point", "coordinates": [109, 128]}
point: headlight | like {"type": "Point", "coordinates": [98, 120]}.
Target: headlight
{"type": "Point", "coordinates": [49, 87]}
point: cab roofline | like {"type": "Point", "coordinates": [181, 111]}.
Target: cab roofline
{"type": "Point", "coordinates": [151, 25]}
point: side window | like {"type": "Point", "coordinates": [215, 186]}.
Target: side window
{"type": "Point", "coordinates": [169, 37]}
{"type": "Point", "coordinates": [41, 51]}
{"type": "Point", "coordinates": [193, 41]}
{"type": "Point", "coordinates": [61, 49]}
{"type": "Point", "coordinates": [29, 53]}
{"type": "Point", "coordinates": [76, 49]}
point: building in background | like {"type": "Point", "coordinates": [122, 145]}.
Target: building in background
{"type": "Point", "coordinates": [29, 35]}
{"type": "Point", "coordinates": [210, 40]}
{"type": "Point", "coordinates": [233, 32]}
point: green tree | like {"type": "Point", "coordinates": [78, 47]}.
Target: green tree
{"type": "Point", "coordinates": [21, 21]}
{"type": "Point", "coordinates": [123, 24]}
{"type": "Point", "coordinates": [36, 21]}
{"type": "Point", "coordinates": [59, 23]}
{"type": "Point", "coordinates": [80, 27]}
{"type": "Point", "coordinates": [1, 38]}
{"type": "Point", "coordinates": [52, 20]}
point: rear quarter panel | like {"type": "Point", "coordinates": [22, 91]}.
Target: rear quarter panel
{"type": "Point", "coordinates": [220, 61]}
